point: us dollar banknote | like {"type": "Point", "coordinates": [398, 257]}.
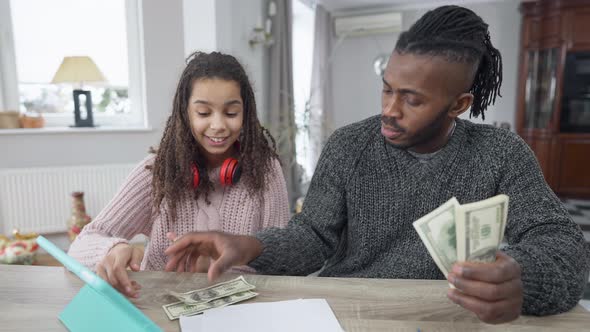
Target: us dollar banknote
{"type": "Point", "coordinates": [470, 232]}
{"type": "Point", "coordinates": [480, 229]}
{"type": "Point", "coordinates": [437, 232]}
{"type": "Point", "coordinates": [177, 309]}
{"type": "Point", "coordinates": [214, 292]}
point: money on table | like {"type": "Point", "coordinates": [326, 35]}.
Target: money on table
{"type": "Point", "coordinates": [216, 296]}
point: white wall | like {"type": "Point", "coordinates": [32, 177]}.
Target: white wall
{"type": "Point", "coordinates": [357, 89]}
{"type": "Point", "coordinates": [199, 26]}
{"type": "Point", "coordinates": [235, 21]}
{"type": "Point", "coordinates": [225, 26]}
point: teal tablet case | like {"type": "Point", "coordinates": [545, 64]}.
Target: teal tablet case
{"type": "Point", "coordinates": [98, 306]}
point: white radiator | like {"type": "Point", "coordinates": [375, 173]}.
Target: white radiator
{"type": "Point", "coordinates": [39, 199]}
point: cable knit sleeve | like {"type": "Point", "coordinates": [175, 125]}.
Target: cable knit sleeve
{"type": "Point", "coordinates": [126, 215]}
{"type": "Point", "coordinates": [542, 237]}
{"type": "Point", "coordinates": [275, 211]}
{"type": "Point", "coordinates": [312, 236]}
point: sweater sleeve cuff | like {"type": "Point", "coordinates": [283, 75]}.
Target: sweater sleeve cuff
{"type": "Point", "coordinates": [91, 249]}
{"type": "Point", "coordinates": [539, 287]}
{"type": "Point", "coordinates": [109, 244]}
{"type": "Point", "coordinates": [264, 263]}
{"type": "Point", "coordinates": [244, 269]}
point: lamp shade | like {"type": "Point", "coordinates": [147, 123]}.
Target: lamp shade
{"type": "Point", "coordinates": [78, 69]}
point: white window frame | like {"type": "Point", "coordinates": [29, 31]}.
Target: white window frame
{"type": "Point", "coordinates": [8, 79]}
{"type": "Point", "coordinates": [137, 118]}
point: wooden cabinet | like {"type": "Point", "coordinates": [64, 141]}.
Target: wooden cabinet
{"type": "Point", "coordinates": [579, 29]}
{"type": "Point", "coordinates": [573, 159]}
{"type": "Point", "coordinates": [554, 91]}
{"type": "Point", "coordinates": [543, 147]}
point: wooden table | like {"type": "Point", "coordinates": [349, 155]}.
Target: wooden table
{"type": "Point", "coordinates": [31, 298]}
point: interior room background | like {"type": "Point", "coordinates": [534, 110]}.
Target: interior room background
{"type": "Point", "coordinates": [159, 35]}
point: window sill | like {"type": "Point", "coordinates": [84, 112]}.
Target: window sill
{"type": "Point", "coordinates": [70, 130]}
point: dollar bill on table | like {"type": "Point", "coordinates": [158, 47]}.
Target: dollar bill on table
{"type": "Point", "coordinates": [214, 292]}
{"type": "Point", "coordinates": [177, 309]}
{"type": "Point", "coordinates": [470, 232]}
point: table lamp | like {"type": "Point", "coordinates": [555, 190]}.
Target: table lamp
{"type": "Point", "coordinates": [79, 69]}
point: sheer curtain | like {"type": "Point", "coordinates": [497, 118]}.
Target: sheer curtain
{"type": "Point", "coordinates": [281, 105]}
{"type": "Point", "coordinates": [320, 104]}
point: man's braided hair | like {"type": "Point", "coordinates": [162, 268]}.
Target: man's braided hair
{"type": "Point", "coordinates": [459, 35]}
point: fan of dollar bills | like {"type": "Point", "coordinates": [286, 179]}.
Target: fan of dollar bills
{"type": "Point", "coordinates": [219, 295]}
{"type": "Point", "coordinates": [470, 232]}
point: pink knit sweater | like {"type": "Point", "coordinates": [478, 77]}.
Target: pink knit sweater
{"type": "Point", "coordinates": [130, 213]}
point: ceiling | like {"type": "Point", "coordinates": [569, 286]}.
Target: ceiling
{"type": "Point", "coordinates": [342, 5]}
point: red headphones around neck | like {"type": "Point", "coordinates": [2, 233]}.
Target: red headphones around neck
{"type": "Point", "coordinates": [229, 174]}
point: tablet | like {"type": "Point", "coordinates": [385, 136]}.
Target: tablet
{"type": "Point", "coordinates": [98, 306]}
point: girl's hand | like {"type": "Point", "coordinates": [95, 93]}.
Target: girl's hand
{"type": "Point", "coordinates": [113, 268]}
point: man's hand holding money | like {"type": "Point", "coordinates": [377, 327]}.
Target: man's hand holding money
{"type": "Point", "coordinates": [493, 291]}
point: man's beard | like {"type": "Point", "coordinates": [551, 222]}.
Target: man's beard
{"type": "Point", "coordinates": [426, 134]}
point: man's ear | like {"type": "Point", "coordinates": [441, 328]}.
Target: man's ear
{"type": "Point", "coordinates": [462, 104]}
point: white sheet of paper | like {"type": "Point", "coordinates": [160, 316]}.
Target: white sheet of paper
{"type": "Point", "coordinates": [293, 315]}
{"type": "Point", "coordinates": [191, 323]}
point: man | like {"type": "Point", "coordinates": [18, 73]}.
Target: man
{"type": "Point", "coordinates": [374, 178]}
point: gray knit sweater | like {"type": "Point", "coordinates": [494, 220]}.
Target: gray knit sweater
{"type": "Point", "coordinates": [365, 194]}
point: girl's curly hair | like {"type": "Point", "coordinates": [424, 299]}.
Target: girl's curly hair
{"type": "Point", "coordinates": [178, 149]}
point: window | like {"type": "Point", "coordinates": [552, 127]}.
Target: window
{"type": "Point", "coordinates": [303, 32]}
{"type": "Point", "coordinates": [45, 31]}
